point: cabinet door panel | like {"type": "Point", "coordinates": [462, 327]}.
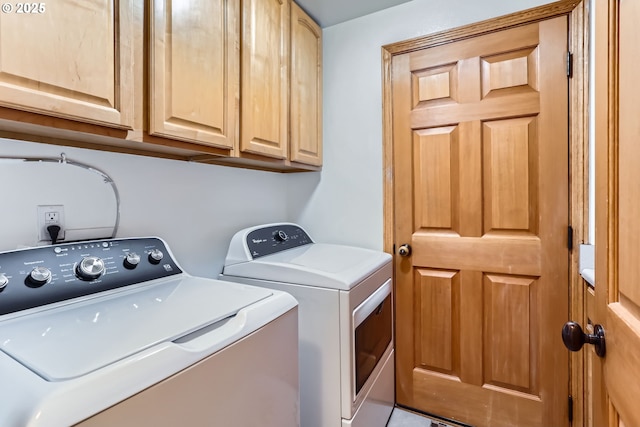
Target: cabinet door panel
{"type": "Point", "coordinates": [306, 88]}
{"type": "Point", "coordinates": [265, 77]}
{"type": "Point", "coordinates": [194, 71]}
{"type": "Point", "coordinates": [71, 59]}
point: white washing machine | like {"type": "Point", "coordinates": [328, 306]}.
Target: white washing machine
{"type": "Point", "coordinates": [114, 333]}
{"type": "Point", "coordinates": [345, 319]}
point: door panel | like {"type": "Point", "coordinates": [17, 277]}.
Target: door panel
{"type": "Point", "coordinates": [264, 110]}
{"type": "Point", "coordinates": [72, 60]}
{"type": "Point", "coordinates": [194, 80]}
{"type": "Point", "coordinates": [306, 88]}
{"type": "Point", "coordinates": [481, 193]}
{"type": "Point", "coordinates": [617, 209]}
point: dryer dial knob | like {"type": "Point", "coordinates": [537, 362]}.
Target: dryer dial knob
{"type": "Point", "coordinates": [132, 260]}
{"type": "Point", "coordinates": [281, 236]}
{"type": "Point", "coordinates": [39, 276]}
{"type": "Point", "coordinates": [4, 281]}
{"type": "Point", "coordinates": [90, 268]}
{"type": "Point", "coordinates": [155, 256]}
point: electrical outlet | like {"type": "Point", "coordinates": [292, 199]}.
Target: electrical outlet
{"type": "Point", "coordinates": [50, 215]}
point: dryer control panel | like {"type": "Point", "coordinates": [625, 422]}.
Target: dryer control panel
{"type": "Point", "coordinates": [35, 277]}
{"type": "Point", "coordinates": [276, 238]}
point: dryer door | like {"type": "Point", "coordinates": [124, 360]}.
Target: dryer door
{"type": "Point", "coordinates": [373, 322]}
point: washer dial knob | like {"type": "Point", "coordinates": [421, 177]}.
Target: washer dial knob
{"type": "Point", "coordinates": [131, 260]}
{"type": "Point", "coordinates": [4, 281]}
{"type": "Point", "coordinates": [155, 256]}
{"type": "Point", "coordinates": [90, 268]}
{"type": "Point", "coordinates": [39, 276]}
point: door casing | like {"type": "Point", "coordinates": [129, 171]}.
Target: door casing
{"type": "Point", "coordinates": [578, 15]}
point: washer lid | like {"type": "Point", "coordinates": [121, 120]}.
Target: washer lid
{"type": "Point", "coordinates": [75, 339]}
{"type": "Point", "coordinates": [318, 264]}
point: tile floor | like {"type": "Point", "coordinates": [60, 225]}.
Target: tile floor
{"type": "Point", "coordinates": [403, 418]}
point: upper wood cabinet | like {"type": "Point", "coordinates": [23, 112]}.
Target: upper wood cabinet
{"type": "Point", "coordinates": [306, 89]}
{"type": "Point", "coordinates": [194, 71]}
{"type": "Point", "coordinates": [281, 91]}
{"type": "Point", "coordinates": [264, 94]}
{"type": "Point", "coordinates": [234, 82]}
{"type": "Point", "coordinates": [68, 59]}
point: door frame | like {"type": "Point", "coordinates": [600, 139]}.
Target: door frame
{"type": "Point", "coordinates": [578, 15]}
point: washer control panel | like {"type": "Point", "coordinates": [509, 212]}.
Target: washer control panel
{"type": "Point", "coordinates": [38, 276]}
{"type": "Point", "coordinates": [275, 238]}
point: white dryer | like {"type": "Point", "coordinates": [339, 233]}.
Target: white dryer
{"type": "Point", "coordinates": [345, 319]}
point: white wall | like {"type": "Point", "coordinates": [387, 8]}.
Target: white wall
{"type": "Point", "coordinates": [196, 208]}
{"type": "Point", "coordinates": [345, 205]}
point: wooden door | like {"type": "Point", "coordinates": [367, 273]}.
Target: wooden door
{"type": "Point", "coordinates": [264, 92]}
{"type": "Point", "coordinates": [306, 89]}
{"type": "Point", "coordinates": [68, 59]}
{"type": "Point", "coordinates": [618, 210]}
{"type": "Point", "coordinates": [480, 130]}
{"type": "Point", "coordinates": [194, 71]}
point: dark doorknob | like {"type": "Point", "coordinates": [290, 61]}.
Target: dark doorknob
{"type": "Point", "coordinates": [404, 250]}
{"type": "Point", "coordinates": [574, 338]}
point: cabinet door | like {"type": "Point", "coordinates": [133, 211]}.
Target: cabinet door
{"type": "Point", "coordinates": [306, 89]}
{"type": "Point", "coordinates": [265, 77]}
{"type": "Point", "coordinates": [69, 59]}
{"type": "Point", "coordinates": [194, 71]}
